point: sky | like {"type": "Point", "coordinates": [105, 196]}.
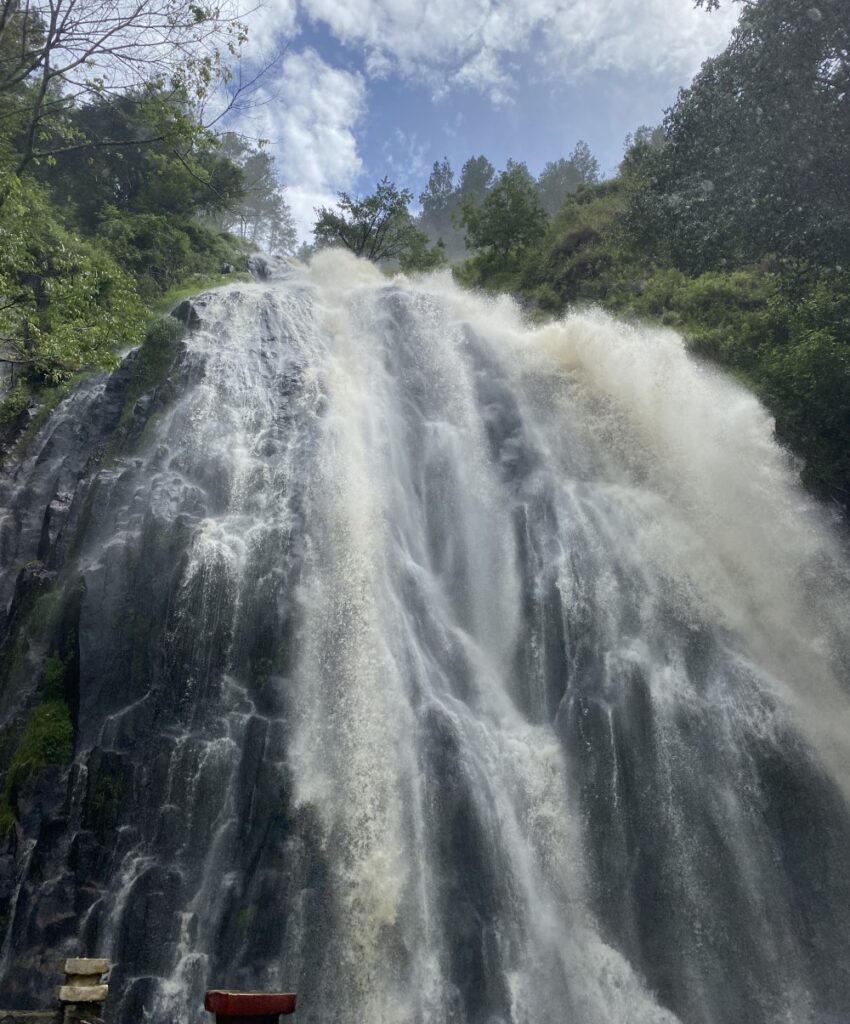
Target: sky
{"type": "Point", "coordinates": [359, 89]}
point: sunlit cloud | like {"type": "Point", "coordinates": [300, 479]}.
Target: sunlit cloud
{"type": "Point", "coordinates": [309, 111]}
{"type": "Point", "coordinates": [477, 44]}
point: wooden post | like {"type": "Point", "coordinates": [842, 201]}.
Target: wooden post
{"type": "Point", "coordinates": [84, 993]}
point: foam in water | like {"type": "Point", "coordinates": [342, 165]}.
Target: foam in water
{"type": "Point", "coordinates": [500, 673]}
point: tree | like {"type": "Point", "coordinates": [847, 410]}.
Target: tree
{"type": "Point", "coordinates": [756, 153]}
{"type": "Point", "coordinates": [558, 179]}
{"type": "Point", "coordinates": [180, 173]}
{"type": "Point", "coordinates": [640, 147]}
{"type": "Point", "coordinates": [281, 233]}
{"type": "Point", "coordinates": [509, 219]}
{"type": "Point", "coordinates": [142, 200]}
{"type": "Point", "coordinates": [261, 214]}
{"type": "Point", "coordinates": [585, 163]}
{"type": "Point", "coordinates": [418, 257]}
{"type": "Point", "coordinates": [64, 304]}
{"type": "Point", "coordinates": [56, 52]}
{"type": "Point", "coordinates": [379, 226]}
{"type": "Point", "coordinates": [439, 194]}
{"type": "Point", "coordinates": [439, 202]}
{"type": "Point", "coordinates": [476, 177]}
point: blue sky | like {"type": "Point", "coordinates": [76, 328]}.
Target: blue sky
{"type": "Point", "coordinates": [365, 88]}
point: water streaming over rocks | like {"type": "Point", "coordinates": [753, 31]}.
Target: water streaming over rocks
{"type": "Point", "coordinates": [436, 667]}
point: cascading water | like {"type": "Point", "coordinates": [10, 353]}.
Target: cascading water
{"type": "Point", "coordinates": [444, 669]}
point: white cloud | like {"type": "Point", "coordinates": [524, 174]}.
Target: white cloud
{"type": "Point", "coordinates": [472, 43]}
{"type": "Point", "coordinates": [268, 23]}
{"type": "Point", "coordinates": [309, 110]}
{"type": "Point", "coordinates": [405, 155]}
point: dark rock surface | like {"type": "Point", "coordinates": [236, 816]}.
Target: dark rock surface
{"type": "Point", "coordinates": [310, 735]}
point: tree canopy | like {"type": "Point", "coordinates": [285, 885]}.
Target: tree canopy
{"type": "Point", "coordinates": [560, 178]}
{"type": "Point", "coordinates": [57, 53]}
{"type": "Point", "coordinates": [509, 218]}
{"type": "Point", "coordinates": [261, 214]}
{"type": "Point", "coordinates": [378, 227]}
{"type": "Point", "coordinates": [476, 177]}
{"type": "Point", "coordinates": [114, 187]}
{"type": "Point", "coordinates": [756, 148]}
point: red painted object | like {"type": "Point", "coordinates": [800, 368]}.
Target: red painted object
{"type": "Point", "coordinates": [249, 1004]}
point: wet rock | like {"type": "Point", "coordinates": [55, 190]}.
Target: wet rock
{"type": "Point", "coordinates": [137, 1000]}
{"type": "Point", "coordinates": [8, 874]}
{"type": "Point", "coordinates": [42, 798]}
{"type": "Point", "coordinates": [262, 267]}
{"type": "Point", "coordinates": [33, 580]}
{"type": "Point", "coordinates": [55, 517]}
{"type": "Point", "coordinates": [150, 926]}
{"type": "Point", "coordinates": [109, 785]}
{"type": "Point", "coordinates": [190, 312]}
{"type": "Point", "coordinates": [55, 918]}
{"type": "Point", "coordinates": [86, 858]}
{"type": "Point", "coordinates": [60, 459]}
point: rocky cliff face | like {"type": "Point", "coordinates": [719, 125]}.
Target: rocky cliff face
{"type": "Point", "coordinates": [366, 642]}
{"type": "Point", "coordinates": [59, 819]}
{"type": "Point", "coordinates": [116, 753]}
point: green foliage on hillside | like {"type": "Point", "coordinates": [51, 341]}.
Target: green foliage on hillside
{"type": "Point", "coordinates": [112, 195]}
{"type": "Point", "coordinates": [560, 178]}
{"type": "Point", "coordinates": [756, 149]}
{"type": "Point", "coordinates": [156, 354]}
{"type": "Point", "coordinates": [728, 223]}
{"type": "Point", "coordinates": [65, 303]}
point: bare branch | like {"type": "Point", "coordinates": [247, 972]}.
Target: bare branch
{"type": "Point", "coordinates": [96, 47]}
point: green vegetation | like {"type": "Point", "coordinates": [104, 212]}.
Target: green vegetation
{"type": "Point", "coordinates": [502, 227]}
{"type": "Point", "coordinates": [192, 285]}
{"type": "Point", "coordinates": [379, 227]}
{"type": "Point", "coordinates": [730, 223]}
{"type": "Point", "coordinates": [154, 357]}
{"type": "Point", "coordinates": [67, 305]}
{"type": "Point", "coordinates": [47, 738]}
{"type": "Point", "coordinates": [53, 678]}
{"type": "Point", "coordinates": [262, 214]}
{"type": "Point", "coordinates": [44, 636]}
{"type": "Point", "coordinates": [560, 178]}
{"type": "Point", "coordinates": [113, 196]}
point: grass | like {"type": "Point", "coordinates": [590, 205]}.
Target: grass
{"type": "Point", "coordinates": [193, 285]}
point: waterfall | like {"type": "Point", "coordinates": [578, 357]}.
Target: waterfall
{"type": "Point", "coordinates": [445, 668]}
